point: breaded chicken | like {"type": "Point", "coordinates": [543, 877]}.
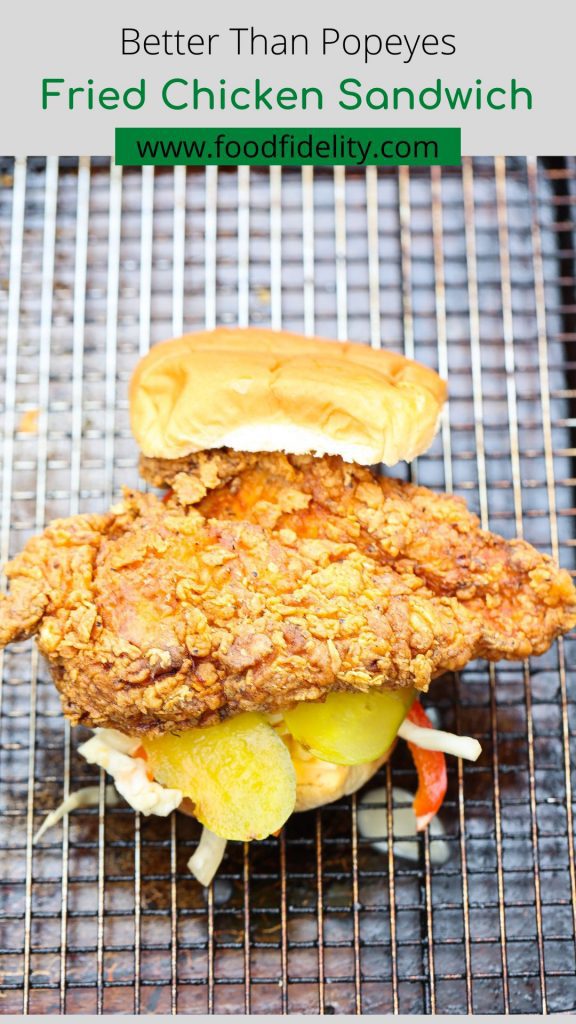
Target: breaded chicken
{"type": "Point", "coordinates": [262, 580]}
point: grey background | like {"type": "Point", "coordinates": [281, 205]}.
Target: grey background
{"type": "Point", "coordinates": [495, 41]}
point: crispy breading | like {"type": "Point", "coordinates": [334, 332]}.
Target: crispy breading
{"type": "Point", "coordinates": [261, 580]}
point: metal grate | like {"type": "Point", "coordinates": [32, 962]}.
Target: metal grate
{"type": "Point", "coordinates": [470, 270]}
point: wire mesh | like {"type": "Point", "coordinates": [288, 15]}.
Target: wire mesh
{"type": "Point", "coordinates": [471, 271]}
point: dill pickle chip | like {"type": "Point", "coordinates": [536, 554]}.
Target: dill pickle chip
{"type": "Point", "coordinates": [350, 728]}
{"type": "Point", "coordinates": [238, 774]}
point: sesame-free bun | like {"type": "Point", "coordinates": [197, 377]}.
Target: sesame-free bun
{"type": "Point", "coordinates": [255, 389]}
{"type": "Point", "coordinates": [321, 782]}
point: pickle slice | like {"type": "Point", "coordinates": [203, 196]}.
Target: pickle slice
{"type": "Point", "coordinates": [350, 728]}
{"type": "Point", "coordinates": [238, 774]}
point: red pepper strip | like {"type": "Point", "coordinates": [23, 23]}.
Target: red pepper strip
{"type": "Point", "coordinates": [431, 768]}
{"type": "Point", "coordinates": [166, 497]}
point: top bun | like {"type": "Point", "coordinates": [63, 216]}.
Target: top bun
{"type": "Point", "coordinates": [255, 389]}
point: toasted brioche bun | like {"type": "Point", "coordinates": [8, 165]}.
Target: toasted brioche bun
{"type": "Point", "coordinates": [320, 782]}
{"type": "Point", "coordinates": [260, 390]}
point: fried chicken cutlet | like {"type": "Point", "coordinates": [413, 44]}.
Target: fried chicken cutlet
{"type": "Point", "coordinates": [261, 580]}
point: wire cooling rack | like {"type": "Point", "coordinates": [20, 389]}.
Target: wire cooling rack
{"type": "Point", "coordinates": [470, 270]}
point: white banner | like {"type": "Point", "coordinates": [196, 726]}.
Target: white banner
{"type": "Point", "coordinates": [71, 72]}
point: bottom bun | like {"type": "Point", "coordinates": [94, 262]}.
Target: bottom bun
{"type": "Point", "coordinates": [320, 782]}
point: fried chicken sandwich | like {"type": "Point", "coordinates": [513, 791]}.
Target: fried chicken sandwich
{"type": "Point", "coordinates": [253, 640]}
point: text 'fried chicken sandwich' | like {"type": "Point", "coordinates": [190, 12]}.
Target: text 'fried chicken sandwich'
{"type": "Point", "coordinates": [253, 641]}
